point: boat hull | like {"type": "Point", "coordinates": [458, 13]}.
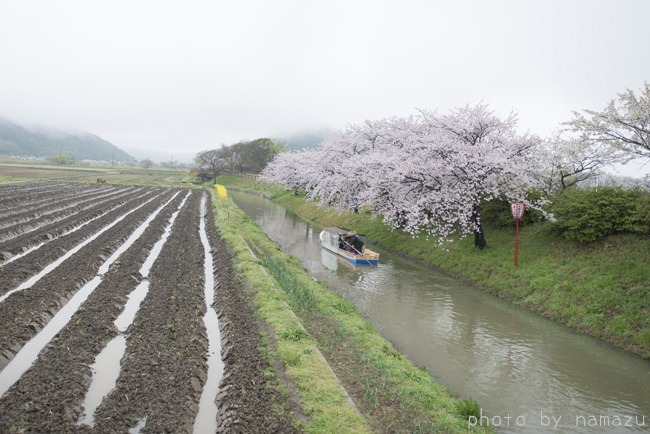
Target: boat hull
{"type": "Point", "coordinates": [368, 259]}
{"type": "Point", "coordinates": [334, 239]}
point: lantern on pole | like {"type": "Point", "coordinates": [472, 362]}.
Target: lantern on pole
{"type": "Point", "coordinates": [517, 210]}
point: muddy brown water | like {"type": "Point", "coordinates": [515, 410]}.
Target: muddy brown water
{"type": "Point", "coordinates": [528, 374]}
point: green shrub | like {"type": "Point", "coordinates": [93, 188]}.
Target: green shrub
{"type": "Point", "coordinates": [496, 212]}
{"type": "Point", "coordinates": [589, 214]}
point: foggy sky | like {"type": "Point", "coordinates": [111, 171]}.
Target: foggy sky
{"type": "Point", "coordinates": [171, 78]}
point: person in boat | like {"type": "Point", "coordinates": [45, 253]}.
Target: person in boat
{"type": "Point", "coordinates": [352, 243]}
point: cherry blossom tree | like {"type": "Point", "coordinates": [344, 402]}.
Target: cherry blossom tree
{"type": "Point", "coordinates": [624, 123]}
{"type": "Point", "coordinates": [564, 161]}
{"type": "Point", "coordinates": [426, 173]}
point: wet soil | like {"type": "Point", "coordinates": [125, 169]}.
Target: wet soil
{"type": "Point", "coordinates": [21, 237]}
{"type": "Point", "coordinates": [25, 313]}
{"type": "Point", "coordinates": [15, 196]}
{"type": "Point", "coordinates": [61, 206]}
{"type": "Point", "coordinates": [14, 199]}
{"type": "Point", "coordinates": [13, 230]}
{"type": "Point", "coordinates": [164, 367]}
{"type": "Point", "coordinates": [13, 273]}
{"type": "Point", "coordinates": [49, 397]}
{"type": "Point", "coordinates": [247, 398]}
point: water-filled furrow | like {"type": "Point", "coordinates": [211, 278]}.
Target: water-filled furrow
{"type": "Point", "coordinates": [29, 352]}
{"type": "Point", "coordinates": [59, 206]}
{"type": "Point", "coordinates": [164, 366]}
{"type": "Point", "coordinates": [30, 282]}
{"type": "Point", "coordinates": [10, 243]}
{"type": "Point", "coordinates": [21, 193]}
{"type": "Point", "coordinates": [68, 232]}
{"type": "Point", "coordinates": [24, 199]}
{"type": "Point", "coordinates": [33, 221]}
{"type": "Point", "coordinates": [157, 248]}
{"type": "Point", "coordinates": [16, 272]}
{"type": "Point", "coordinates": [106, 368]}
{"type": "Point", "coordinates": [24, 196]}
{"type": "Point", "coordinates": [137, 429]}
{"type": "Point", "coordinates": [206, 418]}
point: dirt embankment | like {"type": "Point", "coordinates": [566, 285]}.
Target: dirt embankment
{"type": "Point", "coordinates": [247, 397]}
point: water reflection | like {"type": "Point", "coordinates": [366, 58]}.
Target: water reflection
{"type": "Point", "coordinates": [513, 363]}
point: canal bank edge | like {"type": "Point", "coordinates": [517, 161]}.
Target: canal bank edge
{"type": "Point", "coordinates": [556, 279]}
{"type": "Point", "coordinates": [391, 393]}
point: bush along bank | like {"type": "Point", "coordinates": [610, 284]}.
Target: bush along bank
{"type": "Point", "coordinates": [389, 393]}
{"type": "Point", "coordinates": [599, 288]}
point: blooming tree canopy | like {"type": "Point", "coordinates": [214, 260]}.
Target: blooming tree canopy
{"type": "Point", "coordinates": [565, 161]}
{"type": "Point", "coordinates": [426, 173]}
{"type": "Point", "coordinates": [624, 124]}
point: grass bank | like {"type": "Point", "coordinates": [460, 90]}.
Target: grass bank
{"type": "Point", "coordinates": [601, 289]}
{"type": "Point", "coordinates": [391, 394]}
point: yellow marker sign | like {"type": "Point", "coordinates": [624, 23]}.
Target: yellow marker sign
{"type": "Point", "coordinates": [221, 191]}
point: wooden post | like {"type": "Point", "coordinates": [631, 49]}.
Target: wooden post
{"type": "Point", "coordinates": [516, 242]}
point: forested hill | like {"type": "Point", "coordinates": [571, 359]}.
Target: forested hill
{"type": "Point", "coordinates": [306, 140]}
{"type": "Point", "coordinates": [19, 141]}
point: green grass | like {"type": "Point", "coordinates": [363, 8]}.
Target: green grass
{"type": "Point", "coordinates": [388, 389]}
{"type": "Point", "coordinates": [318, 391]}
{"type": "Point", "coordinates": [601, 289]}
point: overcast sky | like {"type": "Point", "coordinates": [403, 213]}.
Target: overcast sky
{"type": "Point", "coordinates": [171, 78]}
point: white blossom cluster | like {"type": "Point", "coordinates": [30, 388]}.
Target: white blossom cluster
{"type": "Point", "coordinates": [425, 173]}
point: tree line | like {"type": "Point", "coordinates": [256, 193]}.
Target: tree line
{"type": "Point", "coordinates": [242, 157]}
{"type": "Point", "coordinates": [433, 173]}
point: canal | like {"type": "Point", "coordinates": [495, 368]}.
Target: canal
{"type": "Point", "coordinates": [528, 374]}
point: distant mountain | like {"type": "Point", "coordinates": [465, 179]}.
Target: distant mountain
{"type": "Point", "coordinates": [297, 142]}
{"type": "Point", "coordinates": [19, 141]}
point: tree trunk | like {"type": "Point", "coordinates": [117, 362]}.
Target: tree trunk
{"type": "Point", "coordinates": [479, 236]}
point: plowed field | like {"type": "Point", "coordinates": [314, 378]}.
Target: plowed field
{"type": "Point", "coordinates": [73, 260]}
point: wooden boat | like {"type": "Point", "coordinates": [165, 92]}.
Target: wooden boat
{"type": "Point", "coordinates": [348, 245]}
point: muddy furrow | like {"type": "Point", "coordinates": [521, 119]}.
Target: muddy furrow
{"type": "Point", "coordinates": [246, 399]}
{"type": "Point", "coordinates": [61, 207]}
{"type": "Point", "coordinates": [52, 203]}
{"type": "Point", "coordinates": [14, 273]}
{"type": "Point", "coordinates": [24, 198]}
{"type": "Point", "coordinates": [48, 199]}
{"type": "Point", "coordinates": [21, 199]}
{"type": "Point", "coordinates": [15, 194]}
{"type": "Point", "coordinates": [49, 397]}
{"type": "Point", "coordinates": [164, 366]}
{"type": "Point", "coordinates": [55, 223]}
{"type": "Point", "coordinates": [24, 313]}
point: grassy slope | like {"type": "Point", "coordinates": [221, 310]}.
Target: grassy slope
{"type": "Point", "coordinates": [602, 289]}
